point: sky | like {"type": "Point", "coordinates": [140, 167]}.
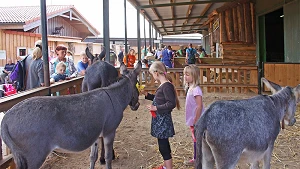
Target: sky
{"type": "Point", "coordinates": [92, 11]}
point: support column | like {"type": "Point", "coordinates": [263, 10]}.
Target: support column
{"type": "Point", "coordinates": [45, 43]}
{"type": "Point", "coordinates": [150, 37]}
{"type": "Point", "coordinates": [138, 34]}
{"type": "Point", "coordinates": [156, 45]}
{"type": "Point", "coordinates": [106, 38]}
{"type": "Point", "coordinates": [145, 47]}
{"type": "Point", "coordinates": [125, 22]}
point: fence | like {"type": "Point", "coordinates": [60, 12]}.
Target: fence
{"type": "Point", "coordinates": [214, 78]}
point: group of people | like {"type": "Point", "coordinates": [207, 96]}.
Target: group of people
{"type": "Point", "coordinates": [61, 65]}
{"type": "Point", "coordinates": [165, 100]}
{"type": "Point", "coordinates": [193, 55]}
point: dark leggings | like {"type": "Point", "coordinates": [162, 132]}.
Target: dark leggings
{"type": "Point", "coordinates": [164, 148]}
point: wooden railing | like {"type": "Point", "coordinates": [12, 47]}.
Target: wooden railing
{"type": "Point", "coordinates": [213, 78]}
{"type": "Point", "coordinates": [66, 87]}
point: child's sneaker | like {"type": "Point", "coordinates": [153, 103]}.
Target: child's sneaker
{"type": "Point", "coordinates": [190, 162]}
{"type": "Point", "coordinates": [160, 167]}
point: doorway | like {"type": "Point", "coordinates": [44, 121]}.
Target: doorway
{"type": "Point", "coordinates": [274, 33]}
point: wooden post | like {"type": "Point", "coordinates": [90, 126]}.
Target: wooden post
{"type": "Point", "coordinates": [241, 23]}
{"type": "Point", "coordinates": [248, 25]}
{"type": "Point", "coordinates": [229, 24]}
{"type": "Point", "coordinates": [223, 36]}
{"type": "Point", "coordinates": [253, 20]}
{"type": "Point", "coordinates": [235, 24]}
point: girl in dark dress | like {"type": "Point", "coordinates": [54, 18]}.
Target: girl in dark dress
{"type": "Point", "coordinates": [164, 101]}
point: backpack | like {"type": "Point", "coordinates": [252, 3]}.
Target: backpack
{"type": "Point", "coordinates": [191, 54]}
{"type": "Point", "coordinates": [18, 75]}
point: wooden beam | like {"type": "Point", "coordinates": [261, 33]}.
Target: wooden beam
{"type": "Point", "coordinates": [182, 3]}
{"type": "Point", "coordinates": [136, 4]}
{"type": "Point", "coordinates": [70, 17]}
{"type": "Point", "coordinates": [188, 12]}
{"type": "Point", "coordinates": [202, 14]}
{"type": "Point", "coordinates": [181, 18]}
{"type": "Point", "coordinates": [156, 13]}
{"type": "Point", "coordinates": [173, 13]}
{"type": "Point", "coordinates": [178, 26]}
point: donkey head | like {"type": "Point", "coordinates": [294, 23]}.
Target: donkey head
{"type": "Point", "coordinates": [94, 58]}
{"type": "Point", "coordinates": [132, 75]}
{"type": "Point", "coordinates": [289, 117]}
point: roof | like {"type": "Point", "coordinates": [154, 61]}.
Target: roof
{"type": "Point", "coordinates": [29, 16]}
{"type": "Point", "coordinates": [172, 17]}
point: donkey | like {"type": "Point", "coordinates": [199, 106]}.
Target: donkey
{"type": "Point", "coordinates": [97, 57]}
{"type": "Point", "coordinates": [244, 129]}
{"type": "Point", "coordinates": [36, 126]}
{"type": "Point", "coordinates": [99, 74]}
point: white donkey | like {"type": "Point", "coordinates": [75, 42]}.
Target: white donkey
{"type": "Point", "coordinates": [233, 130]}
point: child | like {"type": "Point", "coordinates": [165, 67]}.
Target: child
{"type": "Point", "coordinates": [193, 105]}
{"type": "Point", "coordinates": [60, 73]}
{"type": "Point", "coordinates": [164, 101]}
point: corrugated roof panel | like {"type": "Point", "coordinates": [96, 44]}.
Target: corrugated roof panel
{"type": "Point", "coordinates": [21, 14]}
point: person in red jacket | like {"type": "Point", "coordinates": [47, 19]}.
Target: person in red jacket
{"type": "Point", "coordinates": [131, 59]}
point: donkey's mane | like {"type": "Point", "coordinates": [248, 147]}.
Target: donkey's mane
{"type": "Point", "coordinates": [120, 81]}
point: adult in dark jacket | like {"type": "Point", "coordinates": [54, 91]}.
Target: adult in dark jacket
{"type": "Point", "coordinates": [7, 69]}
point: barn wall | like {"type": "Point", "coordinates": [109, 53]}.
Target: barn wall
{"type": "Point", "coordinates": [11, 40]}
{"type": "Point", "coordinates": [68, 30]}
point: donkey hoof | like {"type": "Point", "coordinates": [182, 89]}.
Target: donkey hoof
{"type": "Point", "coordinates": [102, 161]}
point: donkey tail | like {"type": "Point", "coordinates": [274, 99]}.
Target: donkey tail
{"type": "Point", "coordinates": [16, 151]}
{"type": "Point", "coordinates": [200, 127]}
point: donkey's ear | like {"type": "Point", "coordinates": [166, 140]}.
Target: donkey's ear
{"type": "Point", "coordinates": [138, 68]}
{"type": "Point", "coordinates": [272, 86]}
{"type": "Point", "coordinates": [123, 68]}
{"type": "Point", "coordinates": [88, 54]}
{"type": "Point", "coordinates": [102, 54]}
{"type": "Point", "coordinates": [297, 93]}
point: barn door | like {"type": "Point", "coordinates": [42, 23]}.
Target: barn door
{"type": "Point", "coordinates": [292, 31]}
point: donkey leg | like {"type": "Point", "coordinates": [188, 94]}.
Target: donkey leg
{"type": "Point", "coordinates": [208, 160]}
{"type": "Point", "coordinates": [35, 157]}
{"type": "Point", "coordinates": [267, 157]}
{"type": "Point", "coordinates": [108, 146]}
{"type": "Point", "coordinates": [102, 159]}
{"type": "Point", "coordinates": [225, 160]}
{"type": "Point", "coordinates": [94, 154]}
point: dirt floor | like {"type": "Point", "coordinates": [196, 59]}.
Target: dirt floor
{"type": "Point", "coordinates": [137, 149]}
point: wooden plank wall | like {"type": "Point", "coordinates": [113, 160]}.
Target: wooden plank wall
{"type": "Point", "coordinates": [237, 23]}
{"type": "Point", "coordinates": [57, 22]}
{"type": "Point", "coordinates": [284, 74]}
{"type": "Point", "coordinates": [10, 40]}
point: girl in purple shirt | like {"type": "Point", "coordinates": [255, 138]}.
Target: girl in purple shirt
{"type": "Point", "coordinates": [193, 105]}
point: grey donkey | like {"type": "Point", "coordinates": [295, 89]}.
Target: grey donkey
{"type": "Point", "coordinates": [98, 74]}
{"type": "Point", "coordinates": [35, 127]}
{"type": "Point", "coordinates": [245, 130]}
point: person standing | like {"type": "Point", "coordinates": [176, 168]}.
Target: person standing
{"type": "Point", "coordinates": [194, 102]}
{"type": "Point", "coordinates": [131, 59]}
{"type": "Point", "coordinates": [35, 73]}
{"type": "Point", "coordinates": [167, 57]}
{"type": "Point", "coordinates": [121, 56]}
{"type": "Point", "coordinates": [61, 52]}
{"type": "Point", "coordinates": [191, 55]}
{"type": "Point", "coordinates": [7, 69]}
{"type": "Point", "coordinates": [164, 101]}
{"type": "Point", "coordinates": [82, 64]}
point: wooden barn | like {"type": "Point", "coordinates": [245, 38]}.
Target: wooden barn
{"type": "Point", "coordinates": [20, 27]}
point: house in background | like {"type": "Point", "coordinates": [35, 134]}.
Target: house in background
{"type": "Point", "coordinates": [20, 27]}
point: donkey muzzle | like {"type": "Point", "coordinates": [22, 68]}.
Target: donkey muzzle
{"type": "Point", "coordinates": [135, 107]}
